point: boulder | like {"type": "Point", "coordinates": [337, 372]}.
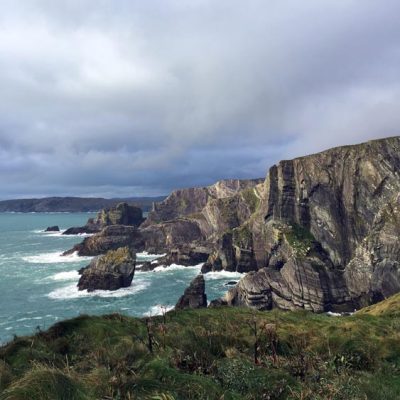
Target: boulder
{"type": "Point", "coordinates": [194, 295]}
{"type": "Point", "coordinates": [54, 228]}
{"type": "Point", "coordinates": [111, 271]}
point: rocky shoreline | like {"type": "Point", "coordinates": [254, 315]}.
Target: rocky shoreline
{"type": "Point", "coordinates": [321, 232]}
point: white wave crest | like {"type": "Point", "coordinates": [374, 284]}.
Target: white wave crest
{"type": "Point", "coordinates": [223, 275]}
{"type": "Point", "coordinates": [66, 276]}
{"type": "Point", "coordinates": [158, 309]}
{"type": "Point", "coordinates": [60, 233]}
{"type": "Point", "coordinates": [72, 292]}
{"type": "Point", "coordinates": [55, 257]}
{"type": "Point", "coordinates": [145, 256]}
{"type": "Point", "coordinates": [175, 267]}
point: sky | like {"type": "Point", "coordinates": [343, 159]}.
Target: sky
{"type": "Point", "coordinates": [119, 98]}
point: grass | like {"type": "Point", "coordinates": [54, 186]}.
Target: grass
{"type": "Point", "coordinates": [251, 198]}
{"type": "Point", "coordinates": [218, 353]}
{"type": "Point", "coordinates": [299, 238]}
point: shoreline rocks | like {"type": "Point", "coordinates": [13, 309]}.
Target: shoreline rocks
{"type": "Point", "coordinates": [194, 295]}
{"type": "Point", "coordinates": [54, 228]}
{"type": "Point", "coordinates": [320, 233]}
{"type": "Point", "coordinates": [111, 271]}
{"type": "Point", "coordinates": [121, 214]}
{"type": "Point", "coordinates": [110, 238]}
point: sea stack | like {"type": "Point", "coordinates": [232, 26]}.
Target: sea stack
{"type": "Point", "coordinates": [194, 295]}
{"type": "Point", "coordinates": [111, 271]}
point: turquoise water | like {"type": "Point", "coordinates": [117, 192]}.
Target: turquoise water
{"type": "Point", "coordinates": [38, 286]}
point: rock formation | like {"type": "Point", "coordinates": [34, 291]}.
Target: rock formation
{"type": "Point", "coordinates": [189, 237]}
{"type": "Point", "coordinates": [121, 214]}
{"type": "Point", "coordinates": [188, 202]}
{"type": "Point", "coordinates": [320, 233]}
{"type": "Point", "coordinates": [110, 238]}
{"type": "Point", "coordinates": [326, 233]}
{"type": "Point", "coordinates": [111, 271]}
{"type": "Point", "coordinates": [54, 228]}
{"type": "Point", "coordinates": [194, 296]}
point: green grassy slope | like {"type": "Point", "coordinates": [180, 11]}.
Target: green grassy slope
{"type": "Point", "coordinates": [208, 354]}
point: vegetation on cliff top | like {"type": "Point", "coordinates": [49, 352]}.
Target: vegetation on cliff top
{"type": "Point", "coordinates": [220, 353]}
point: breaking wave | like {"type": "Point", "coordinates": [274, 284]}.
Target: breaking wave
{"type": "Point", "coordinates": [54, 257]}
{"type": "Point", "coordinates": [72, 292]}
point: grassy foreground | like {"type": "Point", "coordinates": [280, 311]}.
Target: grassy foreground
{"type": "Point", "coordinates": [225, 353]}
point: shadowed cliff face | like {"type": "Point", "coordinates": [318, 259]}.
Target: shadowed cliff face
{"type": "Point", "coordinates": [326, 234]}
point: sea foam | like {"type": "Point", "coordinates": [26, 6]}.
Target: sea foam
{"type": "Point", "coordinates": [72, 292]}
{"type": "Point", "coordinates": [223, 275]}
{"type": "Point", "coordinates": [175, 267]}
{"type": "Point", "coordinates": [54, 257]}
{"type": "Point", "coordinates": [158, 309]}
{"type": "Point", "coordinates": [66, 276]}
{"type": "Point", "coordinates": [145, 256]}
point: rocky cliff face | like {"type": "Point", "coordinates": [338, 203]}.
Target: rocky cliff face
{"type": "Point", "coordinates": [187, 220]}
{"type": "Point", "coordinates": [192, 201]}
{"type": "Point", "coordinates": [321, 232]}
{"type": "Point", "coordinates": [121, 214]}
{"type": "Point", "coordinates": [326, 233]}
{"type": "Point", "coordinates": [110, 238]}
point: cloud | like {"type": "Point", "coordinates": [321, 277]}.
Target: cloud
{"type": "Point", "coordinates": [134, 98]}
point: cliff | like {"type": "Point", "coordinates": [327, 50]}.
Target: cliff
{"type": "Point", "coordinates": [121, 214]}
{"type": "Point", "coordinates": [326, 233]}
{"type": "Point", "coordinates": [321, 232]}
{"type": "Point", "coordinates": [188, 219]}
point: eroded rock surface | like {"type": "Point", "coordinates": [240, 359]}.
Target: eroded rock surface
{"type": "Point", "coordinates": [320, 233]}
{"type": "Point", "coordinates": [326, 233]}
{"type": "Point", "coordinates": [194, 296]}
{"type": "Point", "coordinates": [121, 214]}
{"type": "Point", "coordinates": [111, 271]}
{"type": "Point", "coordinates": [110, 238]}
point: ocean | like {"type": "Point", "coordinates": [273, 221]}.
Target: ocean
{"type": "Point", "coordinates": [38, 285]}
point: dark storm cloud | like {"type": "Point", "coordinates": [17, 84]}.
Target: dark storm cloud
{"type": "Point", "coordinates": [139, 97]}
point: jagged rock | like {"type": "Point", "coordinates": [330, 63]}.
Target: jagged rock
{"type": "Point", "coordinates": [186, 202]}
{"type": "Point", "coordinates": [164, 236]}
{"type": "Point", "coordinates": [321, 232]}
{"type": "Point", "coordinates": [110, 238]}
{"type": "Point", "coordinates": [188, 230]}
{"type": "Point", "coordinates": [54, 228]}
{"type": "Point", "coordinates": [194, 296]}
{"type": "Point", "coordinates": [186, 255]}
{"type": "Point", "coordinates": [121, 214]}
{"type": "Point", "coordinates": [111, 271]}
{"type": "Point", "coordinates": [325, 236]}
{"type": "Point", "coordinates": [233, 252]}
{"type": "Point", "coordinates": [147, 266]}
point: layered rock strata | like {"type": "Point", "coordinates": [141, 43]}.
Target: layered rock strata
{"type": "Point", "coordinates": [326, 234]}
{"type": "Point", "coordinates": [121, 214]}
{"type": "Point", "coordinates": [320, 233]}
